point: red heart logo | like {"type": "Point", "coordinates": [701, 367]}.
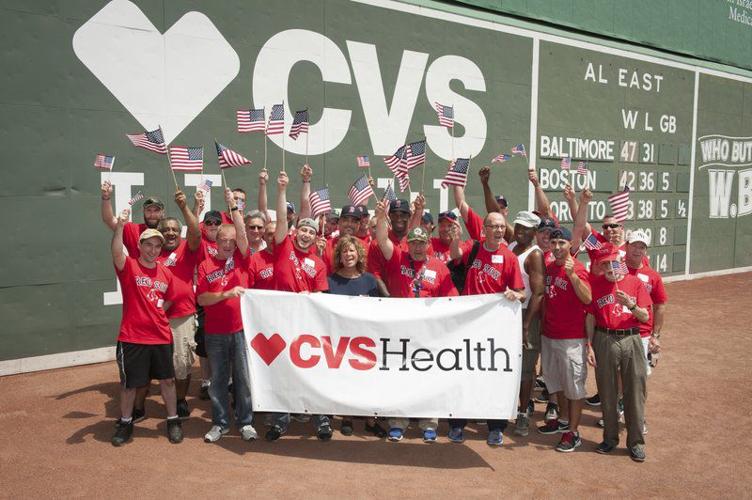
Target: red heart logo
{"type": "Point", "coordinates": [268, 348]}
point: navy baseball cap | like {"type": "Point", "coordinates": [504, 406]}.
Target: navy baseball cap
{"type": "Point", "coordinates": [399, 206]}
{"type": "Point", "coordinates": [447, 215]}
{"type": "Point", "coordinates": [560, 233]}
{"type": "Point", "coordinates": [214, 215]}
{"type": "Point", "coordinates": [351, 211]}
{"type": "Point", "coordinates": [427, 218]}
{"type": "Point", "coordinates": [547, 224]}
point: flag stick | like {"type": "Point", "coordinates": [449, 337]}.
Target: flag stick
{"type": "Point", "coordinates": [224, 179]}
{"type": "Point", "coordinates": [452, 132]}
{"type": "Point", "coordinates": [169, 164]}
{"type": "Point", "coordinates": [425, 165]}
{"type": "Point", "coordinates": [283, 136]}
{"type": "Point", "coordinates": [306, 148]}
{"type": "Point", "coordinates": [265, 136]}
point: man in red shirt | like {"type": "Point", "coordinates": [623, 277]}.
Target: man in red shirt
{"type": "Point", "coordinates": [620, 304]}
{"type": "Point", "coordinates": [494, 269]}
{"type": "Point", "coordinates": [221, 281]}
{"type": "Point", "coordinates": [153, 213]}
{"type": "Point", "coordinates": [144, 349]}
{"type": "Point", "coordinates": [261, 265]}
{"type": "Point", "coordinates": [440, 246]}
{"type": "Point", "coordinates": [411, 274]}
{"type": "Point", "coordinates": [399, 217]}
{"type": "Point", "coordinates": [563, 341]}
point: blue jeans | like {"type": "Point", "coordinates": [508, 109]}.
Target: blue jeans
{"type": "Point", "coordinates": [227, 352]}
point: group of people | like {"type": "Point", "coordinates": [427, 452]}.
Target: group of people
{"type": "Point", "coordinates": [181, 295]}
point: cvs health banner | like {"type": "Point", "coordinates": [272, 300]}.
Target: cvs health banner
{"type": "Point", "coordinates": [332, 354]}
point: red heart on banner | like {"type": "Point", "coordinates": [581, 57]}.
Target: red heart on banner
{"type": "Point", "coordinates": [268, 348]}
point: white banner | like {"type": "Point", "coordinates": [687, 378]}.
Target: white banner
{"type": "Point", "coordinates": [332, 354]}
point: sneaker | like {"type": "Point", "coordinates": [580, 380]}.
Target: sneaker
{"type": "Point", "coordinates": [456, 435]}
{"type": "Point", "coordinates": [604, 448]}
{"type": "Point", "coordinates": [637, 453]}
{"type": "Point", "coordinates": [553, 427]}
{"type": "Point", "coordinates": [429, 436]}
{"type": "Point", "coordinates": [203, 393]}
{"type": "Point", "coordinates": [396, 434]}
{"type": "Point", "coordinates": [594, 400]}
{"type": "Point", "coordinates": [495, 438]}
{"type": "Point", "coordinates": [569, 442]}
{"type": "Point", "coordinates": [175, 430]}
{"type": "Point", "coordinates": [183, 410]}
{"type": "Point", "coordinates": [347, 428]}
{"type": "Point", "coordinates": [376, 430]}
{"type": "Point", "coordinates": [522, 424]}
{"type": "Point", "coordinates": [530, 408]}
{"type": "Point", "coordinates": [248, 433]}
{"type": "Point", "coordinates": [123, 433]}
{"type": "Point", "coordinates": [274, 433]}
{"type": "Point", "coordinates": [215, 433]}
{"type": "Point", "coordinates": [138, 415]}
{"type": "Point", "coordinates": [552, 411]}
{"type": "Point", "coordinates": [324, 432]}
{"type": "Point", "coordinates": [542, 397]}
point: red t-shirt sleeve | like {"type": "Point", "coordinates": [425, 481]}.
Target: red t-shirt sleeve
{"type": "Point", "coordinates": [643, 298]}
{"type": "Point", "coordinates": [321, 283]}
{"type": "Point", "coordinates": [658, 294]}
{"type": "Point", "coordinates": [131, 233]}
{"type": "Point", "coordinates": [466, 247]}
{"type": "Point", "coordinates": [474, 224]}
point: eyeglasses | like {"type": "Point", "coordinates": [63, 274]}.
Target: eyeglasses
{"type": "Point", "coordinates": [212, 223]}
{"type": "Point", "coordinates": [257, 228]}
{"type": "Point", "coordinates": [495, 226]}
{"type": "Point", "coordinates": [611, 226]}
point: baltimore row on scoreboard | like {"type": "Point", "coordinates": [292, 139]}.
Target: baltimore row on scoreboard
{"type": "Point", "coordinates": [630, 121]}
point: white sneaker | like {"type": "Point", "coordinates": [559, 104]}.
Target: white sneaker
{"type": "Point", "coordinates": [215, 433]}
{"type": "Point", "coordinates": [248, 433]}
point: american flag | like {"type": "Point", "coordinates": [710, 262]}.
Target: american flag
{"type": "Point", "coordinates": [566, 162]}
{"type": "Point", "coordinates": [360, 191]}
{"type": "Point", "coordinates": [104, 162]}
{"type": "Point", "coordinates": [250, 120]}
{"type": "Point", "coordinates": [363, 161]}
{"type": "Point", "coordinates": [205, 185]}
{"type": "Point", "coordinates": [415, 154]}
{"type": "Point", "coordinates": [457, 173]}
{"type": "Point", "coordinates": [136, 198]}
{"type": "Point", "coordinates": [619, 204]}
{"type": "Point", "coordinates": [446, 115]}
{"type": "Point", "coordinates": [389, 194]}
{"type": "Point", "coordinates": [153, 141]}
{"type": "Point", "coordinates": [404, 182]}
{"type": "Point", "coordinates": [186, 158]}
{"type": "Point", "coordinates": [228, 158]}
{"type": "Point", "coordinates": [276, 120]}
{"type": "Point", "coordinates": [398, 165]}
{"type": "Point", "coordinates": [619, 267]}
{"type": "Point", "coordinates": [582, 168]}
{"type": "Point", "coordinates": [299, 124]}
{"type": "Point", "coordinates": [519, 149]}
{"type": "Point", "coordinates": [500, 158]}
{"type": "Point", "coordinates": [320, 202]}
{"type": "Point", "coordinates": [592, 242]}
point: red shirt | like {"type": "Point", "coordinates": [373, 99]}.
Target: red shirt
{"type": "Point", "coordinates": [131, 234]}
{"type": "Point", "coordinates": [607, 311]}
{"type": "Point", "coordinates": [491, 272]}
{"type": "Point", "coordinates": [474, 225]}
{"type": "Point", "coordinates": [261, 270]}
{"type": "Point", "coordinates": [215, 275]}
{"type": "Point", "coordinates": [144, 292]}
{"type": "Point", "coordinates": [439, 250]}
{"type": "Point", "coordinates": [207, 249]}
{"type": "Point", "coordinates": [654, 285]}
{"type": "Point", "coordinates": [564, 313]}
{"type": "Point", "coordinates": [182, 263]}
{"type": "Point", "coordinates": [296, 271]}
{"type": "Point", "coordinates": [376, 262]}
{"type": "Point", "coordinates": [431, 276]}
{"type": "Point", "coordinates": [548, 257]}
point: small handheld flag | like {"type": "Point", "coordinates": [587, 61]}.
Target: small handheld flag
{"type": "Point", "coordinates": [186, 158]}
{"type": "Point", "coordinates": [446, 115]}
{"type": "Point", "coordinates": [592, 242]}
{"type": "Point", "coordinates": [320, 202]}
{"type": "Point", "coordinates": [389, 194]}
{"type": "Point", "coordinates": [360, 191]}
{"type": "Point", "coordinates": [205, 185]}
{"type": "Point", "coordinates": [582, 168]}
{"type": "Point", "coordinates": [104, 162]}
{"type": "Point", "coordinates": [276, 120]}
{"type": "Point", "coordinates": [619, 267]}
{"type": "Point", "coordinates": [136, 198]}
{"type": "Point", "coordinates": [457, 173]}
{"type": "Point", "coordinates": [299, 124]}
{"type": "Point", "coordinates": [250, 120]}
{"type": "Point", "coordinates": [619, 204]}
{"type": "Point", "coordinates": [415, 154]}
{"type": "Point", "coordinates": [363, 161]}
{"type": "Point", "coordinates": [228, 158]}
{"type": "Point", "coordinates": [501, 158]}
{"type": "Point", "coordinates": [566, 162]}
{"type": "Point", "coordinates": [519, 150]}
{"type": "Point", "coordinates": [153, 141]}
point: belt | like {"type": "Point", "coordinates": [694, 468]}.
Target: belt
{"type": "Point", "coordinates": [623, 333]}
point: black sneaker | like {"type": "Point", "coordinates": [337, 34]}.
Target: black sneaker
{"type": "Point", "coordinates": [324, 432]}
{"type": "Point", "coordinates": [183, 410]}
{"type": "Point", "coordinates": [530, 408]}
{"type": "Point", "coordinates": [376, 430]}
{"type": "Point", "coordinates": [274, 433]}
{"type": "Point", "coordinates": [569, 442]}
{"type": "Point", "coordinates": [347, 428]}
{"type": "Point", "coordinates": [553, 427]}
{"type": "Point", "coordinates": [604, 448]}
{"type": "Point", "coordinates": [138, 415]}
{"type": "Point", "coordinates": [594, 400]}
{"type": "Point", "coordinates": [203, 393]}
{"type": "Point", "coordinates": [540, 383]}
{"type": "Point", "coordinates": [175, 430]}
{"type": "Point", "coordinates": [123, 433]}
{"type": "Point", "coordinates": [637, 453]}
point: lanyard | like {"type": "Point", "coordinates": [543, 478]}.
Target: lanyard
{"type": "Point", "coordinates": [417, 284]}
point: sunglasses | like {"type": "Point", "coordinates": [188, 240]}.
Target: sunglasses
{"type": "Point", "coordinates": [257, 228]}
{"type": "Point", "coordinates": [212, 223]}
{"type": "Point", "coordinates": [611, 226]}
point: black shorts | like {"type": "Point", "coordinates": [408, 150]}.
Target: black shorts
{"type": "Point", "coordinates": [199, 336]}
{"type": "Point", "coordinates": [138, 364]}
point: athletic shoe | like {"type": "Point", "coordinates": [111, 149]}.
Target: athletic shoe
{"type": "Point", "coordinates": [456, 435]}
{"type": "Point", "coordinates": [376, 430]}
{"type": "Point", "coordinates": [495, 438]}
{"type": "Point", "coordinates": [183, 410]}
{"type": "Point", "coordinates": [604, 448]}
{"type": "Point", "coordinates": [552, 411]}
{"type": "Point", "coordinates": [138, 415]}
{"type": "Point", "coordinates": [553, 426]}
{"type": "Point", "coordinates": [175, 430]}
{"type": "Point", "coordinates": [542, 397]}
{"type": "Point", "coordinates": [594, 400]}
{"type": "Point", "coordinates": [530, 408]}
{"type": "Point", "coordinates": [522, 425]}
{"type": "Point", "coordinates": [429, 436]}
{"type": "Point", "coordinates": [123, 433]}
{"type": "Point", "coordinates": [347, 428]}
{"type": "Point", "coordinates": [324, 432]}
{"type": "Point", "coordinates": [274, 433]}
{"type": "Point", "coordinates": [396, 434]}
{"type": "Point", "coordinates": [203, 393]}
{"type": "Point", "coordinates": [215, 433]}
{"type": "Point", "coordinates": [248, 433]}
{"type": "Point", "coordinates": [637, 453]}
{"type": "Point", "coordinates": [569, 442]}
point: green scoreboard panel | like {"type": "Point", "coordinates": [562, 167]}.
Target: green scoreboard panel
{"type": "Point", "coordinates": [630, 122]}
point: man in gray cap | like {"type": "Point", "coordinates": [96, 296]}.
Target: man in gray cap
{"type": "Point", "coordinates": [153, 213]}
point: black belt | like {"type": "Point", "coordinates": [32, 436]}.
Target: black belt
{"type": "Point", "coordinates": [624, 332]}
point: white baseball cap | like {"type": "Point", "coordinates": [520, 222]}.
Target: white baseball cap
{"type": "Point", "coordinates": [638, 235]}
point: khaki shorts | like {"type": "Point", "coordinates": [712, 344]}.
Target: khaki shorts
{"type": "Point", "coordinates": [565, 365]}
{"type": "Point", "coordinates": [531, 349]}
{"type": "Point", "coordinates": [183, 331]}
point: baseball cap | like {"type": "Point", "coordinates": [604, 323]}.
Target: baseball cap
{"type": "Point", "coordinates": [447, 215]}
{"type": "Point", "coordinates": [546, 224]}
{"type": "Point", "coordinates": [501, 201]}
{"type": "Point", "coordinates": [638, 235]}
{"type": "Point", "coordinates": [560, 233]}
{"type": "Point", "coordinates": [354, 211]}
{"type": "Point", "coordinates": [417, 234]}
{"type": "Point", "coordinates": [332, 214]}
{"type": "Point", "coordinates": [527, 219]}
{"type": "Point", "coordinates": [291, 207]}
{"type": "Point", "coordinates": [214, 215]}
{"type": "Point", "coordinates": [151, 233]}
{"type": "Point", "coordinates": [606, 252]}
{"type": "Point", "coordinates": [427, 218]}
{"type": "Point", "coordinates": [153, 200]}
{"type": "Point", "coordinates": [309, 223]}
{"type": "Point", "coordinates": [364, 211]}
{"type": "Point", "coordinates": [399, 206]}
